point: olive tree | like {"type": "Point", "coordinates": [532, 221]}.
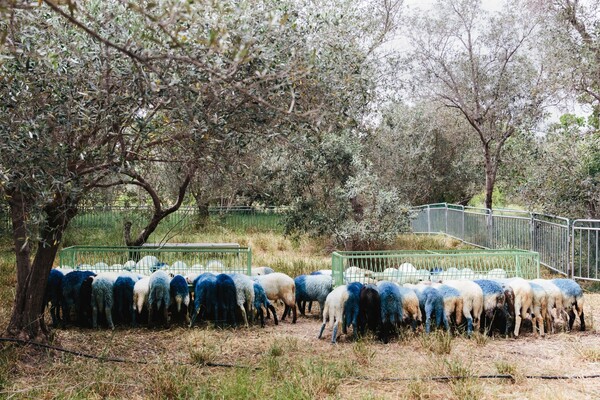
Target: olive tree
{"type": "Point", "coordinates": [482, 65]}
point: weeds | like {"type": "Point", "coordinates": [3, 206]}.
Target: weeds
{"type": "Point", "coordinates": [363, 353]}
{"type": "Point", "coordinates": [438, 342]}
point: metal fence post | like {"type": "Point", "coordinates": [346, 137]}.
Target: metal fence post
{"type": "Point", "coordinates": [428, 221]}
{"type": "Point", "coordinates": [490, 227]}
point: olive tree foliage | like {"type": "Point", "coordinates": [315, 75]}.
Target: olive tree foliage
{"type": "Point", "coordinates": [563, 176]}
{"type": "Point", "coordinates": [333, 192]}
{"type": "Point", "coordinates": [97, 93]}
{"type": "Point", "coordinates": [572, 44]}
{"type": "Point", "coordinates": [482, 65]}
{"type": "Point", "coordinates": [426, 153]}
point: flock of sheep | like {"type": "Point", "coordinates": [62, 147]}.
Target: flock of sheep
{"type": "Point", "coordinates": [383, 305]}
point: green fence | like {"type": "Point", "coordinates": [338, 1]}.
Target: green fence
{"type": "Point", "coordinates": [409, 266]}
{"type": "Point", "coordinates": [268, 218]}
{"type": "Point", "coordinates": [145, 260]}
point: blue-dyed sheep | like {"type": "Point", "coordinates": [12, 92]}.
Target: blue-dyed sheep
{"type": "Point", "coordinates": [71, 286]}
{"type": "Point", "coordinates": [453, 303]}
{"type": "Point", "coordinates": [260, 301]}
{"type": "Point", "coordinates": [494, 305]}
{"type": "Point", "coordinates": [391, 308]}
{"type": "Point", "coordinates": [205, 297]}
{"type": "Point", "coordinates": [226, 300]}
{"type": "Point", "coordinates": [312, 288]}
{"type": "Point", "coordinates": [352, 308]}
{"type": "Point", "coordinates": [431, 303]}
{"type": "Point", "coordinates": [244, 287]}
{"type": "Point", "coordinates": [84, 303]}
{"type": "Point", "coordinates": [124, 309]}
{"type": "Point", "coordinates": [53, 295]}
{"type": "Point", "coordinates": [102, 297]}
{"type": "Point", "coordinates": [159, 297]}
{"type": "Point", "coordinates": [180, 299]}
{"type": "Point", "coordinates": [572, 300]}
{"type": "Point", "coordinates": [370, 309]}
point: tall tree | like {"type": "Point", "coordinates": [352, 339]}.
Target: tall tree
{"type": "Point", "coordinates": [481, 65]}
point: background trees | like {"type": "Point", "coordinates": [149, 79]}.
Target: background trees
{"type": "Point", "coordinates": [481, 65]}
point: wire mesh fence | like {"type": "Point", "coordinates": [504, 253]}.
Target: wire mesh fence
{"type": "Point", "coordinates": [410, 266]}
{"type": "Point", "coordinates": [562, 244]}
{"type": "Point", "coordinates": [145, 260]}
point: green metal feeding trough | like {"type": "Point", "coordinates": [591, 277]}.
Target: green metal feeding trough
{"type": "Point", "coordinates": [145, 260]}
{"type": "Point", "coordinates": [412, 266]}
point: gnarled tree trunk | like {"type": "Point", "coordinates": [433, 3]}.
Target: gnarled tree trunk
{"type": "Point", "coordinates": [27, 321]}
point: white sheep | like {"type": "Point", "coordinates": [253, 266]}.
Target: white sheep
{"type": "Point", "coordinates": [472, 296]}
{"type": "Point", "coordinates": [539, 307]}
{"type": "Point", "coordinates": [215, 266]}
{"type": "Point", "coordinates": [410, 305]}
{"type": "Point", "coordinates": [496, 273]}
{"type": "Point", "coordinates": [555, 303]}
{"type": "Point", "coordinates": [178, 267]}
{"type": "Point", "coordinates": [279, 286]}
{"type": "Point", "coordinates": [140, 294]}
{"type": "Point", "coordinates": [523, 300]}
{"type": "Point", "coordinates": [333, 310]}
{"type": "Point", "coordinates": [261, 271]}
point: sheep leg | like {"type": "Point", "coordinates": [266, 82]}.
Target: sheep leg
{"type": "Point", "coordinates": [270, 306]}
{"type": "Point", "coordinates": [94, 315]}
{"type": "Point", "coordinates": [580, 312]}
{"type": "Point", "coordinates": [321, 305]}
{"type": "Point", "coordinates": [293, 307]}
{"type": "Point", "coordinates": [108, 314]}
{"type": "Point", "coordinates": [286, 311]}
{"type": "Point", "coordinates": [261, 316]}
{"type": "Point", "coordinates": [519, 314]}
{"type": "Point", "coordinates": [322, 329]}
{"type": "Point", "coordinates": [244, 316]}
{"type": "Point", "coordinates": [335, 330]}
{"type": "Point", "coordinates": [166, 314]}
{"type": "Point", "coordinates": [571, 319]}
{"type": "Point", "coordinates": [301, 306]}
{"type": "Point", "coordinates": [309, 306]}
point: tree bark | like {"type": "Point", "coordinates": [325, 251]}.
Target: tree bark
{"type": "Point", "coordinates": [27, 320]}
{"type": "Point", "coordinates": [490, 179]}
{"type": "Point", "coordinates": [202, 214]}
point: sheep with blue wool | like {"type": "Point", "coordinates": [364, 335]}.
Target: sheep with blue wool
{"type": "Point", "coordinates": [53, 295]}
{"type": "Point", "coordinates": [226, 300]}
{"type": "Point", "coordinates": [333, 311]}
{"type": "Point", "coordinates": [124, 309]}
{"type": "Point", "coordinates": [71, 285]}
{"type": "Point", "coordinates": [431, 303]}
{"type": "Point", "coordinates": [370, 309]}
{"type": "Point", "coordinates": [159, 297]}
{"type": "Point", "coordinates": [180, 299]}
{"type": "Point", "coordinates": [352, 308]}
{"type": "Point", "coordinates": [453, 303]}
{"type": "Point", "coordinates": [493, 302]}
{"type": "Point", "coordinates": [102, 297]}
{"type": "Point", "coordinates": [391, 308]}
{"type": "Point", "coordinates": [244, 287]}
{"type": "Point", "coordinates": [312, 288]}
{"type": "Point", "coordinates": [472, 301]}
{"type": "Point", "coordinates": [260, 301]}
{"type": "Point", "coordinates": [411, 309]}
{"type": "Point", "coordinates": [555, 310]}
{"type": "Point", "coordinates": [205, 297]}
{"type": "Point", "coordinates": [572, 300]}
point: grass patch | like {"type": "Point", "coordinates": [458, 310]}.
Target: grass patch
{"type": "Point", "coordinates": [438, 342]}
{"type": "Point", "coordinates": [363, 353]}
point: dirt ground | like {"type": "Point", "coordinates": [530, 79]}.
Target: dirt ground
{"type": "Point", "coordinates": [399, 369]}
